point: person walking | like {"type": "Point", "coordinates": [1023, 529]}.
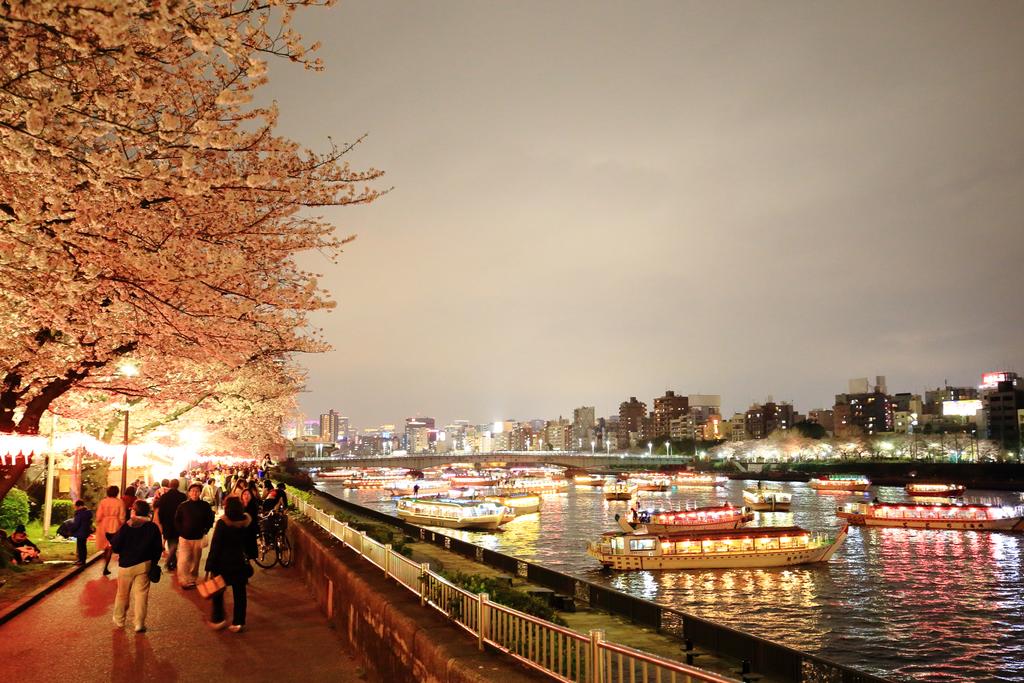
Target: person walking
{"type": "Point", "coordinates": [128, 498]}
{"type": "Point", "coordinates": [166, 508]}
{"type": "Point", "coordinates": [251, 505]}
{"type": "Point", "coordinates": [227, 559]}
{"type": "Point", "coordinates": [81, 527]}
{"type": "Point", "coordinates": [109, 518]}
{"type": "Point", "coordinates": [209, 493]}
{"type": "Point", "coordinates": [193, 519]}
{"type": "Point", "coordinates": [138, 547]}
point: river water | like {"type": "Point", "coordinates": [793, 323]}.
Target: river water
{"type": "Point", "coordinates": [910, 605]}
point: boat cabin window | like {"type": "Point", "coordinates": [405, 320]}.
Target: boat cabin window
{"type": "Point", "coordinates": [642, 544]}
{"type": "Point", "coordinates": [684, 547]}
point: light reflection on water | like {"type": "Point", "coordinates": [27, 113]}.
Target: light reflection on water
{"type": "Point", "coordinates": [910, 604]}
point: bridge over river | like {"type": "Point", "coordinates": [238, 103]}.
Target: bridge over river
{"type": "Point", "coordinates": [563, 458]}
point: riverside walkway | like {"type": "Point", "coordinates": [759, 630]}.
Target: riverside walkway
{"type": "Point", "coordinates": [69, 635]}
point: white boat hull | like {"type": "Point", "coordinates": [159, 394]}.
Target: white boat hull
{"type": "Point", "coordinates": [486, 522]}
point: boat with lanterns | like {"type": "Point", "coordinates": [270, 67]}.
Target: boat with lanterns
{"type": "Point", "coordinates": [413, 487]}
{"type": "Point", "coordinates": [594, 480]}
{"type": "Point", "coordinates": [452, 513]}
{"type": "Point", "coordinates": [842, 483]}
{"type": "Point", "coordinates": [698, 479]}
{"type": "Point", "coordinates": [749, 547]}
{"type": "Point", "coordinates": [651, 481]}
{"type": "Point", "coordinates": [926, 490]}
{"type": "Point", "coordinates": [620, 490]}
{"type": "Point", "coordinates": [536, 485]}
{"type": "Point", "coordinates": [685, 521]}
{"type": "Point", "coordinates": [517, 504]}
{"type": "Point", "coordinates": [957, 516]}
{"type": "Point", "coordinates": [767, 498]}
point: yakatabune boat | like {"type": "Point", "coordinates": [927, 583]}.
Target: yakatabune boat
{"type": "Point", "coordinates": [620, 490]}
{"type": "Point", "coordinates": [452, 514]}
{"type": "Point", "coordinates": [517, 503]}
{"type": "Point", "coordinates": [939, 516]}
{"type": "Point", "coordinates": [840, 482]}
{"type": "Point", "coordinates": [733, 548]}
{"type": "Point", "coordinates": [533, 485]}
{"type": "Point", "coordinates": [413, 487]}
{"type": "Point", "coordinates": [923, 489]}
{"type": "Point", "coordinates": [698, 479]}
{"type": "Point", "coordinates": [588, 480]}
{"type": "Point", "coordinates": [767, 499]}
{"type": "Point", "coordinates": [651, 481]}
{"type": "Point", "coordinates": [684, 521]}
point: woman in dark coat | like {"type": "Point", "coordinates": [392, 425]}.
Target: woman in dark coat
{"type": "Point", "coordinates": [252, 508]}
{"type": "Point", "coordinates": [227, 559]}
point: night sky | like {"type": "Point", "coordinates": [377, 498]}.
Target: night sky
{"type": "Point", "coordinates": [598, 200]}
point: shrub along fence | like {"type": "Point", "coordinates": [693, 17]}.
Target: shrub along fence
{"type": "Point", "coordinates": [765, 657]}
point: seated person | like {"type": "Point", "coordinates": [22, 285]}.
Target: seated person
{"type": "Point", "coordinates": [27, 550]}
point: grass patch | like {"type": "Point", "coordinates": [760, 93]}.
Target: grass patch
{"type": "Point", "coordinates": [20, 580]}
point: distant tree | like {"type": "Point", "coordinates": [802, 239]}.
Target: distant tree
{"type": "Point", "coordinates": [810, 430]}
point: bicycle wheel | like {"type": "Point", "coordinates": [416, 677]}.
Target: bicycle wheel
{"type": "Point", "coordinates": [284, 551]}
{"type": "Point", "coordinates": [266, 553]}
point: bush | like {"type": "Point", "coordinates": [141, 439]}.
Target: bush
{"type": "Point", "coordinates": [503, 595]}
{"type": "Point", "coordinates": [62, 510]}
{"type": "Point", "coordinates": [13, 509]}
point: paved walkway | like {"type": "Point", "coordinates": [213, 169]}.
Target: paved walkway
{"type": "Point", "coordinates": [69, 635]}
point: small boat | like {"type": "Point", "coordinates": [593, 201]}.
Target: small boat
{"type": "Point", "coordinates": [841, 483]}
{"type": "Point", "coordinates": [517, 504]}
{"type": "Point", "coordinates": [922, 489]}
{"type": "Point", "coordinates": [588, 480]}
{"type": "Point", "coordinates": [696, 479]}
{"type": "Point", "coordinates": [685, 521]}
{"type": "Point", "coordinates": [452, 514]}
{"type": "Point", "coordinates": [956, 516]}
{"type": "Point", "coordinates": [767, 499]}
{"type": "Point", "coordinates": [620, 490]}
{"type": "Point", "coordinates": [733, 548]}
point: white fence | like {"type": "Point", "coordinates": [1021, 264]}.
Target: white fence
{"type": "Point", "coordinates": [563, 654]}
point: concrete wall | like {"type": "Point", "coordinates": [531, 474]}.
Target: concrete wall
{"type": "Point", "coordinates": [381, 621]}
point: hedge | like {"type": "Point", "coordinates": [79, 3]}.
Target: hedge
{"type": "Point", "coordinates": [13, 509]}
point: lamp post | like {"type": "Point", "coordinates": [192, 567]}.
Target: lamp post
{"type": "Point", "coordinates": [608, 446]}
{"type": "Point", "coordinates": [668, 447]}
{"type": "Point", "coordinates": [649, 447]}
{"type": "Point", "coordinates": [592, 444]}
{"type": "Point", "coordinates": [127, 370]}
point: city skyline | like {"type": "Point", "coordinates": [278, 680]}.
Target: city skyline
{"type": "Point", "coordinates": [616, 200]}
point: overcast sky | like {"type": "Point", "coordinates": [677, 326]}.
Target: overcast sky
{"type": "Point", "coordinates": [601, 200]}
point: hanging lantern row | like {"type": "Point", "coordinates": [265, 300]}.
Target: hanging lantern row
{"type": "Point", "coordinates": [12, 459]}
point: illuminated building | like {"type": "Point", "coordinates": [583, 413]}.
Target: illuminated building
{"type": "Point", "coordinates": [632, 414]}
{"type": "Point", "coordinates": [666, 409]}
{"type": "Point", "coordinates": [762, 420]}
{"type": "Point", "coordinates": [823, 417]}
{"type": "Point", "coordinates": [583, 427]}
{"type": "Point", "coordinates": [860, 410]}
{"type": "Point", "coordinates": [737, 429]}
{"type": "Point", "coordinates": [1003, 404]}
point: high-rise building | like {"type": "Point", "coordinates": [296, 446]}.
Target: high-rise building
{"type": "Point", "coordinates": [738, 427]}
{"type": "Point", "coordinates": [420, 433]}
{"type": "Point", "coordinates": [1003, 404]}
{"type": "Point", "coordinates": [582, 427]}
{"type": "Point", "coordinates": [558, 435]}
{"type": "Point", "coordinates": [666, 409]}
{"type": "Point", "coordinates": [762, 420]}
{"type": "Point", "coordinates": [632, 414]}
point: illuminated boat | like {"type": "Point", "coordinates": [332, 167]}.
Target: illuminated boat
{"type": "Point", "coordinates": [412, 487]}
{"type": "Point", "coordinates": [956, 516]}
{"type": "Point", "coordinates": [452, 514]}
{"type": "Point", "coordinates": [533, 485]}
{"type": "Point", "coordinates": [651, 481]}
{"type": "Point", "coordinates": [370, 482]}
{"type": "Point", "coordinates": [935, 490]}
{"type": "Point", "coordinates": [841, 483]}
{"type": "Point", "coordinates": [620, 490]}
{"type": "Point", "coordinates": [723, 549]}
{"type": "Point", "coordinates": [517, 504]}
{"type": "Point", "coordinates": [695, 479]}
{"type": "Point", "coordinates": [685, 521]}
{"type": "Point", "coordinates": [588, 480]}
{"type": "Point", "coordinates": [767, 499]}
{"type": "Point", "coordinates": [472, 481]}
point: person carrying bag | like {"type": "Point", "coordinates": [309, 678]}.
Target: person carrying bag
{"type": "Point", "coordinates": [228, 565]}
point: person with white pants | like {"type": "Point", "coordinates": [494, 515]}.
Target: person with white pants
{"type": "Point", "coordinates": [138, 546]}
{"type": "Point", "coordinates": [193, 519]}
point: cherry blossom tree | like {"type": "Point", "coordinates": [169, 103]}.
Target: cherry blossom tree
{"type": "Point", "coordinates": [146, 209]}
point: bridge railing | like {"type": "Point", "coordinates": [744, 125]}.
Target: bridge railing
{"type": "Point", "coordinates": [559, 652]}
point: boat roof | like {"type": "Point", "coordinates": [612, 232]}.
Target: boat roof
{"type": "Point", "coordinates": [965, 506]}
{"type": "Point", "coordinates": [707, 508]}
{"type": "Point", "coordinates": [469, 502]}
{"type": "Point", "coordinates": [743, 532]}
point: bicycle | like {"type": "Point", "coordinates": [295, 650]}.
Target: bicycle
{"type": "Point", "coordinates": [272, 544]}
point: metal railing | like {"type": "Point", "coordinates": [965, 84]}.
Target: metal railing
{"type": "Point", "coordinates": [561, 653]}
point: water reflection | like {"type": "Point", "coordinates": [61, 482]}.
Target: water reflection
{"type": "Point", "coordinates": [910, 604]}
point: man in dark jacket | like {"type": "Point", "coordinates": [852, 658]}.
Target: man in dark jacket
{"type": "Point", "coordinates": [166, 508]}
{"type": "Point", "coordinates": [192, 520]}
{"type": "Point", "coordinates": [138, 546]}
{"type": "Point", "coordinates": [81, 528]}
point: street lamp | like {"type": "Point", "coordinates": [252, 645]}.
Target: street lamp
{"type": "Point", "coordinates": [126, 370]}
{"type": "Point", "coordinates": [592, 444]}
{"type": "Point", "coordinates": [668, 447]}
{"type": "Point", "coordinates": [649, 446]}
{"type": "Point", "coordinates": [608, 446]}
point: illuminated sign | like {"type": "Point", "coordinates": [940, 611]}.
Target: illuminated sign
{"type": "Point", "coordinates": [965, 408]}
{"type": "Point", "coordinates": [989, 380]}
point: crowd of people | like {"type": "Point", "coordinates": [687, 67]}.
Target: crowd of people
{"type": "Point", "coordinates": [173, 518]}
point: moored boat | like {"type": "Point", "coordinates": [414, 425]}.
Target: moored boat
{"type": "Point", "coordinates": [588, 480]}
{"type": "Point", "coordinates": [517, 504]}
{"type": "Point", "coordinates": [923, 489]}
{"type": "Point", "coordinates": [684, 521]}
{"type": "Point", "coordinates": [956, 516]}
{"type": "Point", "coordinates": [767, 499]}
{"type": "Point", "coordinates": [840, 482]}
{"type": "Point", "coordinates": [696, 479]}
{"type": "Point", "coordinates": [620, 490]}
{"type": "Point", "coordinates": [413, 487]}
{"type": "Point", "coordinates": [651, 481]}
{"type": "Point", "coordinates": [451, 513]}
{"type": "Point", "coordinates": [733, 548]}
{"type": "Point", "coordinates": [521, 485]}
